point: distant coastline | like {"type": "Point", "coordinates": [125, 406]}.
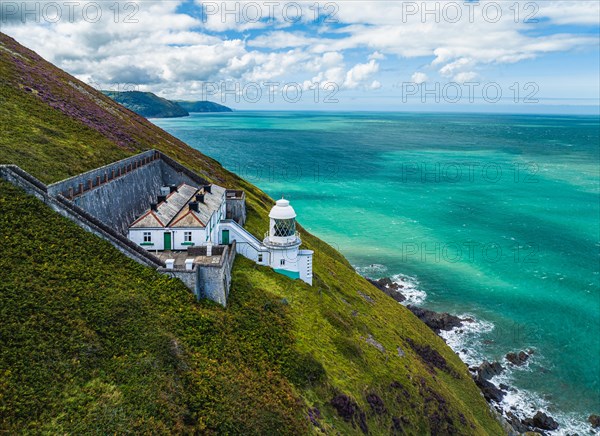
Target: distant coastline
{"type": "Point", "coordinates": [150, 105]}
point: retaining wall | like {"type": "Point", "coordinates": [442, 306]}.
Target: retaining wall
{"type": "Point", "coordinates": [118, 193]}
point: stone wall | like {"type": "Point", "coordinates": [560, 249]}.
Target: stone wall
{"type": "Point", "coordinates": [215, 280]}
{"type": "Point", "coordinates": [235, 203]}
{"type": "Point", "coordinates": [118, 193]}
{"type": "Point", "coordinates": [189, 278]}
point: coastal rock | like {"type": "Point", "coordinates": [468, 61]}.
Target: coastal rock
{"type": "Point", "coordinates": [542, 421]}
{"type": "Point", "coordinates": [436, 321]}
{"type": "Point", "coordinates": [594, 420]}
{"type": "Point", "coordinates": [516, 423]}
{"type": "Point", "coordinates": [389, 287]}
{"type": "Point", "coordinates": [490, 391]}
{"type": "Point", "coordinates": [488, 370]}
{"type": "Point", "coordinates": [517, 358]}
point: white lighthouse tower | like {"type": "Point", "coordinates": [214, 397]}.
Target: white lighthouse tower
{"type": "Point", "coordinates": [283, 242]}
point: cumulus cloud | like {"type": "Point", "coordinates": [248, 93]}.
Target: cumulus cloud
{"type": "Point", "coordinates": [419, 78]}
{"type": "Point", "coordinates": [359, 73]}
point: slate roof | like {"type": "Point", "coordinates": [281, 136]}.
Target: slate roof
{"type": "Point", "coordinates": [175, 212]}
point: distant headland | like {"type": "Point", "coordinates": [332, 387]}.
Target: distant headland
{"type": "Point", "coordinates": [150, 105]}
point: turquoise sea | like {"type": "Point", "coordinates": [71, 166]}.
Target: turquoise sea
{"type": "Point", "coordinates": [494, 216]}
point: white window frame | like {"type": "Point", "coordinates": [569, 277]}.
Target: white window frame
{"type": "Point", "coordinates": [260, 257]}
{"type": "Point", "coordinates": [281, 262]}
{"type": "Point", "coordinates": [147, 236]}
{"type": "Point", "coordinates": [187, 236]}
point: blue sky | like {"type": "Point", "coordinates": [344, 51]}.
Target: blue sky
{"type": "Point", "coordinates": [347, 55]}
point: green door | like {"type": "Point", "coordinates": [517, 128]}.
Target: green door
{"type": "Point", "coordinates": [167, 241]}
{"type": "Point", "coordinates": [225, 237]}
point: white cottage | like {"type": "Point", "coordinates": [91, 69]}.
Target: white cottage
{"type": "Point", "coordinates": [186, 216]}
{"type": "Point", "coordinates": [183, 216]}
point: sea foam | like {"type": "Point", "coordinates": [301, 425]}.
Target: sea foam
{"type": "Point", "coordinates": [466, 341]}
{"type": "Point", "coordinates": [410, 289]}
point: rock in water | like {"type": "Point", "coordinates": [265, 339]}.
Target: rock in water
{"type": "Point", "coordinates": [517, 359]}
{"type": "Point", "coordinates": [544, 422]}
{"type": "Point", "coordinates": [436, 321]}
{"type": "Point", "coordinates": [488, 370]}
{"type": "Point", "coordinates": [594, 420]}
{"type": "Point", "coordinates": [490, 391]}
{"type": "Point", "coordinates": [483, 373]}
{"type": "Point", "coordinates": [387, 286]}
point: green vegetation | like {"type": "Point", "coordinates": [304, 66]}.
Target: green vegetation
{"type": "Point", "coordinates": [202, 106]}
{"type": "Point", "coordinates": [93, 342]}
{"type": "Point", "coordinates": [147, 104]}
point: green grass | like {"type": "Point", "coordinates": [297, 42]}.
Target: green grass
{"type": "Point", "coordinates": [93, 342]}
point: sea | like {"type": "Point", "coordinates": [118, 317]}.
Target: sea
{"type": "Point", "coordinates": [494, 217]}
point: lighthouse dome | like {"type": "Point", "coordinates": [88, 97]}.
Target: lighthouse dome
{"type": "Point", "coordinates": [282, 210]}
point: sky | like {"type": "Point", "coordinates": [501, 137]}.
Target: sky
{"type": "Point", "coordinates": [518, 56]}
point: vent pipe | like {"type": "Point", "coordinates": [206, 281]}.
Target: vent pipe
{"type": "Point", "coordinates": [153, 206]}
{"type": "Point", "coordinates": [173, 188]}
{"type": "Point", "coordinates": [200, 198]}
{"type": "Point", "coordinates": [161, 198]}
{"type": "Point", "coordinates": [194, 206]}
{"type": "Point", "coordinates": [207, 188]}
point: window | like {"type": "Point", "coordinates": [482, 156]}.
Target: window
{"type": "Point", "coordinates": [187, 236]}
{"type": "Point", "coordinates": [260, 257]}
{"type": "Point", "coordinates": [282, 262]}
{"type": "Point", "coordinates": [147, 236]}
{"type": "Point", "coordinates": [284, 228]}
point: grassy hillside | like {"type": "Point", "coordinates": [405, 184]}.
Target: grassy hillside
{"type": "Point", "coordinates": [147, 104]}
{"type": "Point", "coordinates": [93, 342]}
{"type": "Point", "coordinates": [202, 106]}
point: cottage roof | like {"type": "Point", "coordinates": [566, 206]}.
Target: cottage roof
{"type": "Point", "coordinates": [175, 210]}
{"type": "Point", "coordinates": [191, 218]}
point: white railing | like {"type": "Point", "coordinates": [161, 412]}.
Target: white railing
{"type": "Point", "coordinates": [269, 241]}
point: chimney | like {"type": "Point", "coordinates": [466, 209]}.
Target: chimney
{"type": "Point", "coordinates": [153, 206]}
{"type": "Point", "coordinates": [161, 198]}
{"type": "Point", "coordinates": [173, 188]}
{"type": "Point", "coordinates": [207, 188]}
{"type": "Point", "coordinates": [200, 198]}
{"type": "Point", "coordinates": [194, 206]}
{"type": "Point", "coordinates": [209, 249]}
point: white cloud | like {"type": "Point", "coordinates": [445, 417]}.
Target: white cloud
{"type": "Point", "coordinates": [467, 76]}
{"type": "Point", "coordinates": [419, 78]}
{"type": "Point", "coordinates": [376, 55]}
{"type": "Point", "coordinates": [375, 84]}
{"type": "Point", "coordinates": [358, 74]}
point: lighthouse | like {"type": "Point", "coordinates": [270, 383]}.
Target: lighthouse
{"type": "Point", "coordinates": [283, 242]}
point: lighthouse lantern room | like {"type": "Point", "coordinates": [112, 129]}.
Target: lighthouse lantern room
{"type": "Point", "coordinates": [284, 241]}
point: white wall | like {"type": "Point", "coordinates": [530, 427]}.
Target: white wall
{"type": "Point", "coordinates": [305, 258]}
{"type": "Point", "coordinates": [198, 237]}
{"type": "Point", "coordinates": [137, 236]}
{"type": "Point", "coordinates": [289, 255]}
{"type": "Point", "coordinates": [246, 244]}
